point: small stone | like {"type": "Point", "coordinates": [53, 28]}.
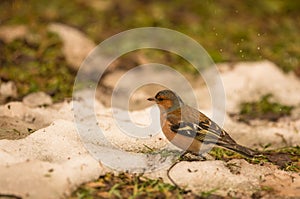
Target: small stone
{"type": "Point", "coordinates": [37, 99]}
{"type": "Point", "coordinates": [10, 33]}
{"type": "Point", "coordinates": [7, 90]}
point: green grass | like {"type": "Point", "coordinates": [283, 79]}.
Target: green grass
{"type": "Point", "coordinates": [229, 30]}
{"type": "Point", "coordinates": [264, 109]}
{"type": "Point", "coordinates": [36, 64]}
{"type": "Point", "coordinates": [294, 158]}
{"type": "Point", "coordinates": [223, 154]}
{"type": "Point", "coordinates": [287, 158]}
{"type": "Point", "coordinates": [125, 185]}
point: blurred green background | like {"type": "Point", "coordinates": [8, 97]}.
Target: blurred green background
{"type": "Point", "coordinates": [229, 30]}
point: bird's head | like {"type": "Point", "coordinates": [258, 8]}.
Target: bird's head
{"type": "Point", "coordinates": [167, 100]}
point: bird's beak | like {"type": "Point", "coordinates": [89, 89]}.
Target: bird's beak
{"type": "Point", "coordinates": [151, 99]}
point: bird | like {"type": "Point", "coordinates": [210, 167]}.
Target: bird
{"type": "Point", "coordinates": [188, 128]}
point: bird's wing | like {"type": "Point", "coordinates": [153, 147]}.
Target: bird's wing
{"type": "Point", "coordinates": [195, 124]}
{"type": "Point", "coordinates": [212, 127]}
{"type": "Point", "coordinates": [198, 131]}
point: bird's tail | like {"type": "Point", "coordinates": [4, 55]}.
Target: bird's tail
{"type": "Point", "coordinates": [245, 151]}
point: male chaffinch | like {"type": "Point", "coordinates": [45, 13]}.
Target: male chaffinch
{"type": "Point", "coordinates": [187, 128]}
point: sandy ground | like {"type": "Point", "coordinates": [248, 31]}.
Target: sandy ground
{"type": "Point", "coordinates": [66, 148]}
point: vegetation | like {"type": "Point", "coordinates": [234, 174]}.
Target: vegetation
{"type": "Point", "coordinates": [36, 63]}
{"type": "Point", "coordinates": [229, 30]}
{"type": "Point", "coordinates": [264, 109]}
{"type": "Point", "coordinates": [127, 185]}
{"type": "Point", "coordinates": [286, 158]}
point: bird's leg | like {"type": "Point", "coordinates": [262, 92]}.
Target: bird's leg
{"type": "Point", "coordinates": [194, 157]}
{"type": "Point", "coordinates": [171, 167]}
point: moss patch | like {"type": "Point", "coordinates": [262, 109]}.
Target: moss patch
{"type": "Point", "coordinates": [36, 63]}
{"type": "Point", "coordinates": [264, 109]}
{"type": "Point", "coordinates": [223, 154]}
{"type": "Point", "coordinates": [287, 158]}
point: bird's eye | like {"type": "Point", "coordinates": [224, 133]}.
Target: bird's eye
{"type": "Point", "coordinates": [160, 99]}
